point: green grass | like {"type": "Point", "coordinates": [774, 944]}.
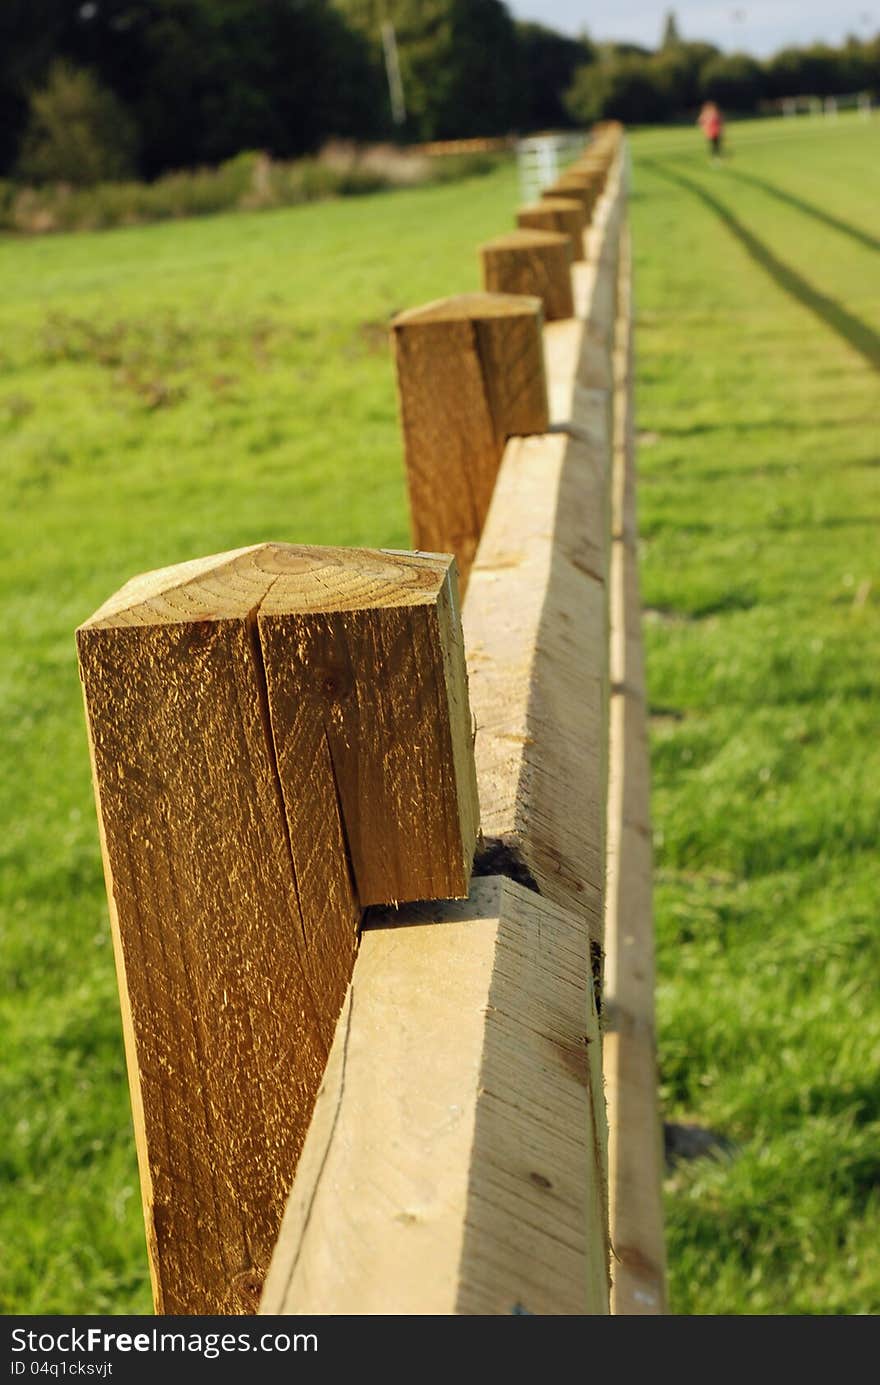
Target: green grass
{"type": "Point", "coordinates": [172, 391]}
{"type": "Point", "coordinates": [758, 295]}
{"type": "Point", "coordinates": [165, 392]}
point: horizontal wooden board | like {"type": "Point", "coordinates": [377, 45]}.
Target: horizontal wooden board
{"type": "Point", "coordinates": [630, 1062]}
{"type": "Point", "coordinates": [451, 1166]}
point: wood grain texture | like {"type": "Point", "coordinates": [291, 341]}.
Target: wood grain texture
{"type": "Point", "coordinates": [535, 623]}
{"type": "Point", "coordinates": [470, 374]}
{"type": "Point", "coordinates": [563, 214]}
{"type": "Point", "coordinates": [369, 711]}
{"type": "Point", "coordinates": [231, 877]}
{"type": "Point", "coordinates": [583, 185]}
{"type": "Point", "coordinates": [596, 166]}
{"type": "Point", "coordinates": [412, 1193]}
{"type": "Point", "coordinates": [630, 1063]}
{"type": "Point", "coordinates": [451, 1165]}
{"type": "Point", "coordinates": [598, 156]}
{"type": "Point", "coordinates": [537, 263]}
{"type": "Point", "coordinates": [578, 353]}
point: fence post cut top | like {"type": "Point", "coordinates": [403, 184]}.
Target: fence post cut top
{"type": "Point", "coordinates": [584, 187]}
{"type": "Point", "coordinates": [361, 649]}
{"type": "Point", "coordinates": [564, 214]}
{"type": "Point", "coordinates": [531, 262]}
{"type": "Point", "coordinates": [470, 374]}
{"type": "Point", "coordinates": [280, 735]}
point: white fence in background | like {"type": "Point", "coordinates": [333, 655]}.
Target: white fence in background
{"type": "Point", "coordinates": [541, 158]}
{"type": "Point", "coordinates": [827, 105]}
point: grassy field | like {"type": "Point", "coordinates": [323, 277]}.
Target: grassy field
{"type": "Point", "coordinates": [758, 287]}
{"type": "Point", "coordinates": [171, 391]}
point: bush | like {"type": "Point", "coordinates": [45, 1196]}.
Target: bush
{"type": "Point", "coordinates": [449, 168]}
{"type": "Point", "coordinates": [77, 133]}
{"type": "Point", "coordinates": [248, 181]}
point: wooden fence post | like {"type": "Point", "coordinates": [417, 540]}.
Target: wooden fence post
{"type": "Point", "coordinates": [486, 1008]}
{"type": "Point", "coordinates": [565, 214]}
{"type": "Point", "coordinates": [489, 1007]}
{"type": "Point", "coordinates": [531, 262]}
{"type": "Point", "coordinates": [584, 186]}
{"type": "Point", "coordinates": [596, 166]}
{"type": "Point", "coordinates": [470, 374]}
{"type": "Point", "coordinates": [279, 735]}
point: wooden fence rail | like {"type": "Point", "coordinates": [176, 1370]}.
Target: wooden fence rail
{"type": "Point", "coordinates": [630, 1062]}
{"type": "Point", "coordinates": [283, 737]}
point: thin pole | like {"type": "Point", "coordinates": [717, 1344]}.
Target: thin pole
{"type": "Point", "coordinates": [392, 68]}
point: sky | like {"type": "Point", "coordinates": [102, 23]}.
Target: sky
{"type": "Point", "coordinates": [754, 26]}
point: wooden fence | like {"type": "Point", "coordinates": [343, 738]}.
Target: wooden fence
{"type": "Point", "coordinates": [393, 1107]}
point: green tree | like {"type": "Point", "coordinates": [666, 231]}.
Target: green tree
{"type": "Point", "coordinates": [624, 50]}
{"type": "Point", "coordinates": [31, 35]}
{"type": "Point", "coordinates": [631, 89]}
{"type": "Point", "coordinates": [459, 61]}
{"type": "Point", "coordinates": [282, 76]}
{"type": "Point", "coordinates": [584, 99]}
{"type": "Point", "coordinates": [871, 79]}
{"type": "Point", "coordinates": [734, 80]}
{"type": "Point", "coordinates": [77, 132]}
{"type": "Point", "coordinates": [203, 79]}
{"type": "Point", "coordinates": [671, 37]}
{"type": "Point", "coordinates": [549, 62]}
{"type": "Point", "coordinates": [856, 69]}
{"type": "Point", "coordinates": [814, 71]}
{"type": "Point", "coordinates": [679, 71]}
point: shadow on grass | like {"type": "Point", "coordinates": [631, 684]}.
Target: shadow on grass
{"type": "Point", "coordinates": [809, 208]}
{"type": "Point", "coordinates": [737, 426]}
{"type": "Point", "coordinates": [741, 473]}
{"type": "Point", "coordinates": [727, 603]}
{"type": "Point", "coordinates": [794, 526]}
{"type": "Point", "coordinates": [853, 331]}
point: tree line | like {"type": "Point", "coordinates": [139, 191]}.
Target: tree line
{"type": "Point", "coordinates": [638, 86]}
{"type": "Point", "coordinates": [113, 88]}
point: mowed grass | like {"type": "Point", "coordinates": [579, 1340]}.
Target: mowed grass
{"type": "Point", "coordinates": [758, 309]}
{"type": "Point", "coordinates": [173, 391]}
{"type": "Point", "coordinates": [165, 392]}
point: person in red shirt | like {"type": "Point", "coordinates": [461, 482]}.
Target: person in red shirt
{"type": "Point", "coordinates": [712, 123]}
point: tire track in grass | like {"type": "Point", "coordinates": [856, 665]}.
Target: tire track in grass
{"type": "Point", "coordinates": [800, 204]}
{"type": "Point", "coordinates": [765, 785]}
{"type": "Point", "coordinates": [845, 324]}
